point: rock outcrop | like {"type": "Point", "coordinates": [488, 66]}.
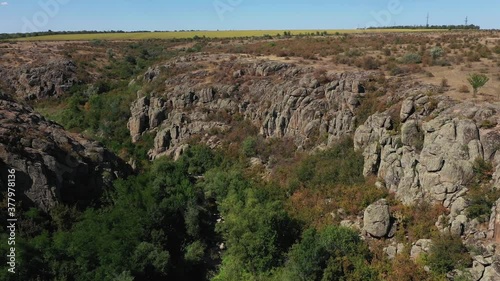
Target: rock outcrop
{"type": "Point", "coordinates": [147, 113]}
{"type": "Point", "coordinates": [31, 82]}
{"type": "Point", "coordinates": [431, 157]}
{"type": "Point", "coordinates": [51, 164]}
{"type": "Point", "coordinates": [280, 99]}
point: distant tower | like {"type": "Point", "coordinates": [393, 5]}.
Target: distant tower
{"type": "Point", "coordinates": [427, 25]}
{"type": "Point", "coordinates": [466, 21]}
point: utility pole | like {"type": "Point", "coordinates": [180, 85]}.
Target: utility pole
{"type": "Point", "coordinates": [427, 25]}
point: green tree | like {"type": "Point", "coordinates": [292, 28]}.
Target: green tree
{"type": "Point", "coordinates": [477, 81]}
{"type": "Point", "coordinates": [258, 231]}
{"type": "Point", "coordinates": [334, 253]}
{"type": "Point", "coordinates": [249, 146]}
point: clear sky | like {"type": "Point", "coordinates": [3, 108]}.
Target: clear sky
{"type": "Point", "coordinates": [58, 15]}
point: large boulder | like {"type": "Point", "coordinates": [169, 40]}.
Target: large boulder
{"type": "Point", "coordinates": [377, 219]}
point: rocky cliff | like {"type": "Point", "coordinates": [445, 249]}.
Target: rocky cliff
{"type": "Point", "coordinates": [51, 164]}
{"type": "Point", "coordinates": [281, 99]}
{"type": "Point", "coordinates": [431, 154]}
{"type": "Point", "coordinates": [430, 157]}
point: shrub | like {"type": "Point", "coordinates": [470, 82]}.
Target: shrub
{"type": "Point", "coordinates": [446, 254]}
{"type": "Point", "coordinates": [353, 53]}
{"type": "Point", "coordinates": [444, 83]}
{"type": "Point", "coordinates": [417, 222]}
{"type": "Point", "coordinates": [338, 165]}
{"type": "Point", "coordinates": [464, 89]}
{"type": "Point", "coordinates": [404, 269]}
{"type": "Point", "coordinates": [321, 75]}
{"type": "Point", "coordinates": [436, 53]}
{"type": "Point", "coordinates": [477, 81]}
{"type": "Point", "coordinates": [368, 63]}
{"type": "Point", "coordinates": [473, 57]}
{"type": "Point", "coordinates": [248, 147]}
{"type": "Point", "coordinates": [488, 124]}
{"type": "Point", "coordinates": [411, 58]}
{"type": "Point", "coordinates": [482, 196]}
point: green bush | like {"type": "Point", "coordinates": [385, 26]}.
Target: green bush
{"type": "Point", "coordinates": [411, 58]}
{"type": "Point", "coordinates": [477, 81]}
{"type": "Point", "coordinates": [331, 254]}
{"type": "Point", "coordinates": [337, 165]}
{"type": "Point", "coordinates": [436, 52]}
{"type": "Point", "coordinates": [249, 146]}
{"type": "Point", "coordinates": [482, 196]}
{"type": "Point", "coordinates": [446, 254]}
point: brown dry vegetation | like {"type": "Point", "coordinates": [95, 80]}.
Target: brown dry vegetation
{"type": "Point", "coordinates": [401, 55]}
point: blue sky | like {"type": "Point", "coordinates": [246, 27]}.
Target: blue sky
{"type": "Point", "coordinates": [57, 15]}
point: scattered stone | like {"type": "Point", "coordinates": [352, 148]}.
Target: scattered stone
{"type": "Point", "coordinates": [421, 246]}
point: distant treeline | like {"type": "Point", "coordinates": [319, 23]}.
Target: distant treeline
{"type": "Point", "coordinates": [471, 26]}
{"type": "Point", "coordinates": [4, 36]}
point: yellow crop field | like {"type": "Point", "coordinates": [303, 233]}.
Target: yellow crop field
{"type": "Point", "coordinates": [208, 34]}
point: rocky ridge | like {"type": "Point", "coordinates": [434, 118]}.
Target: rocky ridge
{"type": "Point", "coordinates": [282, 100]}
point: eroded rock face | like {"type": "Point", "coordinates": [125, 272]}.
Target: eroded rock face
{"type": "Point", "coordinates": [494, 224]}
{"type": "Point", "coordinates": [51, 164]}
{"type": "Point", "coordinates": [147, 112]}
{"type": "Point", "coordinates": [492, 272]}
{"type": "Point", "coordinates": [423, 152]}
{"type": "Point", "coordinates": [38, 82]}
{"type": "Point", "coordinates": [280, 99]}
{"type": "Point", "coordinates": [377, 219]}
{"type": "Point", "coordinates": [431, 157]}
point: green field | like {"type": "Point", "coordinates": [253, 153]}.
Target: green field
{"type": "Point", "coordinates": [191, 34]}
